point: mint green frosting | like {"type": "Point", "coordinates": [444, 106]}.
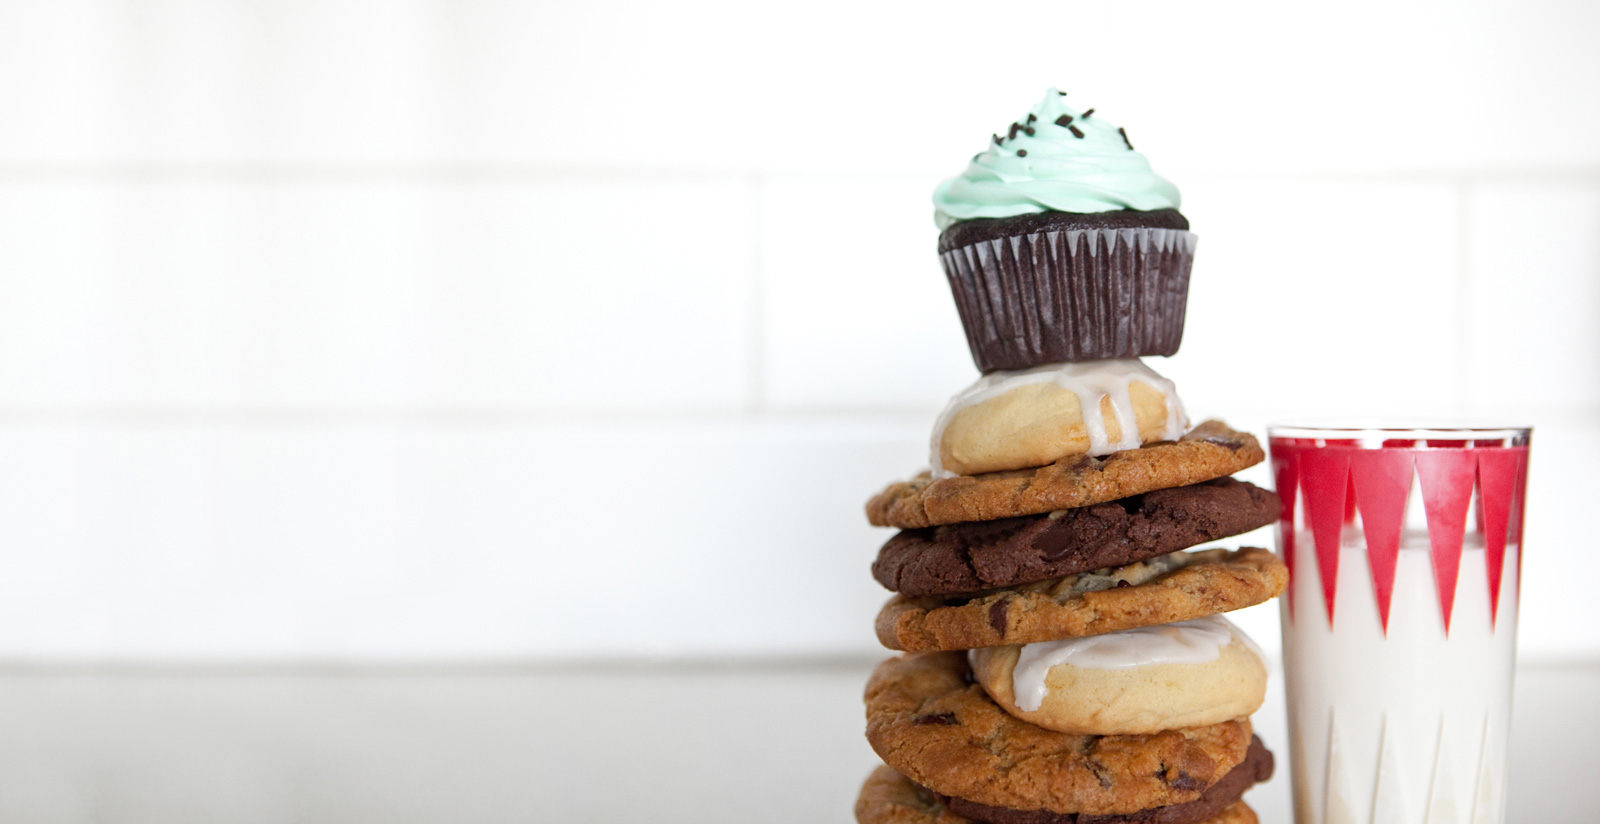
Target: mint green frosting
{"type": "Point", "coordinates": [1054, 170]}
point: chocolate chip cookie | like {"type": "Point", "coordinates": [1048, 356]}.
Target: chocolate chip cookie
{"type": "Point", "coordinates": [1210, 450]}
{"type": "Point", "coordinates": [1219, 797]}
{"type": "Point", "coordinates": [1175, 587]}
{"type": "Point", "coordinates": [890, 798]}
{"type": "Point", "coordinates": [932, 724]}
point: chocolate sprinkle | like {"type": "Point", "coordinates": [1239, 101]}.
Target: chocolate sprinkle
{"type": "Point", "coordinates": [1076, 132]}
{"type": "Point", "coordinates": [1028, 131]}
{"type": "Point", "coordinates": [1022, 153]}
{"type": "Point", "coordinates": [1015, 127]}
{"type": "Point", "coordinates": [1124, 133]}
{"type": "Point", "coordinates": [1062, 93]}
{"type": "Point", "coordinates": [1032, 117]}
{"type": "Point", "coordinates": [1086, 113]}
{"type": "Point", "coordinates": [997, 140]}
{"type": "Point", "coordinates": [1064, 120]}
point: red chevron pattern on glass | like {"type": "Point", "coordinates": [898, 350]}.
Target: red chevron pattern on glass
{"type": "Point", "coordinates": [1324, 479]}
{"type": "Point", "coordinates": [1285, 473]}
{"type": "Point", "coordinates": [1499, 471]}
{"type": "Point", "coordinates": [1446, 476]}
{"type": "Point", "coordinates": [1382, 483]}
{"type": "Point", "coordinates": [1324, 484]}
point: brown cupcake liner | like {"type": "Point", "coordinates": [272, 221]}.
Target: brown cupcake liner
{"type": "Point", "coordinates": [1071, 294]}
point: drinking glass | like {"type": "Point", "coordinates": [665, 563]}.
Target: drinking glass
{"type": "Point", "coordinates": [1404, 547]}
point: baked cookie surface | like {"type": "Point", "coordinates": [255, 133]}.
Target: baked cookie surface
{"type": "Point", "coordinates": [1216, 800]}
{"type": "Point", "coordinates": [1174, 587]}
{"type": "Point", "coordinates": [979, 555]}
{"type": "Point", "coordinates": [1125, 700]}
{"type": "Point", "coordinates": [1040, 423]}
{"type": "Point", "coordinates": [928, 721]}
{"type": "Point", "coordinates": [1210, 450]}
{"type": "Point", "coordinates": [888, 797]}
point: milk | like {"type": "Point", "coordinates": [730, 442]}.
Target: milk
{"type": "Point", "coordinates": [1400, 711]}
{"type": "Point", "coordinates": [1410, 725]}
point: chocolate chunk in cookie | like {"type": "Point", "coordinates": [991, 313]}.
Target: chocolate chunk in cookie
{"type": "Point", "coordinates": [985, 755]}
{"type": "Point", "coordinates": [1174, 587]}
{"type": "Point", "coordinates": [978, 555]}
{"type": "Point", "coordinates": [1210, 450]}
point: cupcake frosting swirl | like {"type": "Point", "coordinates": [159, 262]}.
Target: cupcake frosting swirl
{"type": "Point", "coordinates": [1058, 159]}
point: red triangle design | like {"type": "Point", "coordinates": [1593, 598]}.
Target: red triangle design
{"type": "Point", "coordinates": [1520, 510]}
{"type": "Point", "coordinates": [1324, 477]}
{"type": "Point", "coordinates": [1446, 476]}
{"type": "Point", "coordinates": [1382, 481]}
{"type": "Point", "coordinates": [1497, 480]}
{"type": "Point", "coordinates": [1477, 506]}
{"type": "Point", "coordinates": [1286, 479]}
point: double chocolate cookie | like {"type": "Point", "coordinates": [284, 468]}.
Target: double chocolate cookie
{"type": "Point", "coordinates": [978, 555]}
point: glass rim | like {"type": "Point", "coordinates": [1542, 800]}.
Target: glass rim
{"type": "Point", "coordinates": [1381, 429]}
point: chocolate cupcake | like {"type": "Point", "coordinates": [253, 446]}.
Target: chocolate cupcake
{"type": "Point", "coordinates": [1061, 244]}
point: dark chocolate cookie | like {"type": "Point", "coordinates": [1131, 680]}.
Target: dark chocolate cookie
{"type": "Point", "coordinates": [965, 558]}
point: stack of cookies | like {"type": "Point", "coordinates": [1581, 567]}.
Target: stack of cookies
{"type": "Point", "coordinates": [1065, 661]}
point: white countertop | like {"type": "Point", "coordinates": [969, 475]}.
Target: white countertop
{"type": "Point", "coordinates": [663, 743]}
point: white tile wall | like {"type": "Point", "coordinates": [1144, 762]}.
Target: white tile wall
{"type": "Point", "coordinates": [429, 330]}
{"type": "Point", "coordinates": [1224, 87]}
{"type": "Point", "coordinates": [458, 540]}
{"type": "Point", "coordinates": [416, 292]}
{"type": "Point", "coordinates": [857, 313]}
{"type": "Point", "coordinates": [1533, 323]}
{"type": "Point", "coordinates": [1330, 296]}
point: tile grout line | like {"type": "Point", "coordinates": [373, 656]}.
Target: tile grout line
{"type": "Point", "coordinates": [1466, 191]}
{"type": "Point", "coordinates": [478, 172]}
{"type": "Point", "coordinates": [510, 416]}
{"type": "Point", "coordinates": [755, 334]}
{"type": "Point", "coordinates": [14, 415]}
{"type": "Point", "coordinates": [515, 666]}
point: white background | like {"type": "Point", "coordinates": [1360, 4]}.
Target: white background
{"type": "Point", "coordinates": [468, 331]}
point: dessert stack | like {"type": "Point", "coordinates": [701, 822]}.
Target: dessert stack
{"type": "Point", "coordinates": [1064, 659]}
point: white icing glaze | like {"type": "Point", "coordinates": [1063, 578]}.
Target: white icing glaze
{"type": "Point", "coordinates": [1184, 642]}
{"type": "Point", "coordinates": [1090, 381]}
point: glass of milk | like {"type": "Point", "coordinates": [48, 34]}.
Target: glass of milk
{"type": "Point", "coordinates": [1400, 624]}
